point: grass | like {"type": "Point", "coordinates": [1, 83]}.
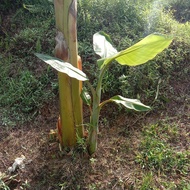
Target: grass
{"type": "Point", "coordinates": [156, 156]}
{"type": "Point", "coordinates": [25, 85]}
{"type": "Point", "coordinates": [22, 93]}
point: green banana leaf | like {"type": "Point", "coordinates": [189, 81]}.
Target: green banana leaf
{"type": "Point", "coordinates": [137, 54]}
{"type": "Point", "coordinates": [133, 104]}
{"type": "Point", "coordinates": [63, 67]}
{"type": "Point", "coordinates": [102, 45]}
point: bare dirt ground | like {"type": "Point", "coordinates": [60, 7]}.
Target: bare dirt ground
{"type": "Point", "coordinates": [112, 167]}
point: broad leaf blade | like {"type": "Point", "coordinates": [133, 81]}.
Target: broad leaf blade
{"type": "Point", "coordinates": [133, 104]}
{"type": "Point", "coordinates": [63, 67]}
{"type": "Point", "coordinates": [141, 52]}
{"type": "Point", "coordinates": [102, 45]}
{"type": "Point", "coordinates": [144, 50]}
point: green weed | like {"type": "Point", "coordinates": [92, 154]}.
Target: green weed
{"type": "Point", "coordinates": [40, 7]}
{"type": "Point", "coordinates": [81, 145]}
{"type": "Point", "coordinates": [21, 92]}
{"type": "Point", "coordinates": [158, 159]}
{"type": "Point", "coordinates": [7, 5]}
{"type": "Point", "coordinates": [156, 154]}
{"type": "Point", "coordinates": [180, 9]}
{"type": "Point", "coordinates": [24, 87]}
{"type": "Point", "coordinates": [147, 182]}
{"type": "Point", "coordinates": [3, 186]}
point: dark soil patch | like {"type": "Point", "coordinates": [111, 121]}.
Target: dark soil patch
{"type": "Point", "coordinates": [112, 167]}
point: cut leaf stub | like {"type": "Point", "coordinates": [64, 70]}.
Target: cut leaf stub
{"type": "Point", "coordinates": [63, 67]}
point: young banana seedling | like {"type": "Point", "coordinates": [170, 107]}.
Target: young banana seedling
{"type": "Point", "coordinates": [137, 54]}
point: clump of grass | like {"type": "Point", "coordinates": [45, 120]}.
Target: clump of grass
{"type": "Point", "coordinates": [147, 182]}
{"type": "Point", "coordinates": [180, 9]}
{"type": "Point", "coordinates": [22, 93]}
{"type": "Point", "coordinates": [24, 85]}
{"type": "Point", "coordinates": [158, 156]}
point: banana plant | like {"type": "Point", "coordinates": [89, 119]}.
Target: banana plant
{"type": "Point", "coordinates": [138, 54]}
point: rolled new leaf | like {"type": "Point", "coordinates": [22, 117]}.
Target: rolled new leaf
{"type": "Point", "coordinates": [133, 104]}
{"type": "Point", "coordinates": [102, 45]}
{"type": "Point", "coordinates": [63, 67]}
{"type": "Point", "coordinates": [86, 97]}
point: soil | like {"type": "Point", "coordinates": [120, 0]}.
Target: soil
{"type": "Point", "coordinates": [111, 167]}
